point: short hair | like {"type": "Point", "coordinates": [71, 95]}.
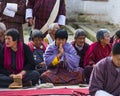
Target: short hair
{"type": "Point", "coordinates": [36, 34]}
{"type": "Point", "coordinates": [61, 33]}
{"type": "Point", "coordinates": [118, 33]}
{"type": "Point", "coordinates": [14, 33]}
{"type": "Point", "coordinates": [79, 32]}
{"type": "Point", "coordinates": [101, 34]}
{"type": "Point", "coordinates": [51, 26]}
{"type": "Point", "coordinates": [116, 49]}
{"type": "Point", "coordinates": [2, 26]}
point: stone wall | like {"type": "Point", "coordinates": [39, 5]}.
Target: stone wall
{"type": "Point", "coordinates": [74, 7]}
{"type": "Point", "coordinates": [102, 11]}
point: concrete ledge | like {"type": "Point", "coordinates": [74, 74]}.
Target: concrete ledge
{"type": "Point", "coordinates": [73, 31]}
{"type": "Point", "coordinates": [90, 34]}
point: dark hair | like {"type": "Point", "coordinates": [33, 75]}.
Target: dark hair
{"type": "Point", "coordinates": [13, 33]}
{"type": "Point", "coordinates": [116, 49]}
{"type": "Point", "coordinates": [79, 32]}
{"type": "Point", "coordinates": [36, 34]}
{"type": "Point", "coordinates": [61, 33]}
{"type": "Point", "coordinates": [118, 33]}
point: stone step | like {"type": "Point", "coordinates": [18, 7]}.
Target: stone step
{"type": "Point", "coordinates": [73, 30]}
{"type": "Point", "coordinates": [90, 34]}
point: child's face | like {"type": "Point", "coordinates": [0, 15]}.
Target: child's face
{"type": "Point", "coordinates": [37, 41]}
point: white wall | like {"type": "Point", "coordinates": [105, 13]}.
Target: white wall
{"type": "Point", "coordinates": [104, 11]}
{"type": "Point", "coordinates": [74, 7]}
{"type": "Point", "coordinates": [114, 11]}
{"type": "Point", "coordinates": [101, 11]}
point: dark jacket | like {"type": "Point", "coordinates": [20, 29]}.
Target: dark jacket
{"type": "Point", "coordinates": [29, 63]}
{"type": "Point", "coordinates": [81, 53]}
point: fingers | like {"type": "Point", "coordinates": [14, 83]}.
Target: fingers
{"type": "Point", "coordinates": [30, 21]}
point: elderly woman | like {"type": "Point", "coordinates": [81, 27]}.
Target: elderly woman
{"type": "Point", "coordinates": [38, 47]}
{"type": "Point", "coordinates": [16, 62]}
{"type": "Point", "coordinates": [51, 33]}
{"type": "Point", "coordinates": [62, 61]}
{"type": "Point", "coordinates": [97, 51]}
{"type": "Point", "coordinates": [80, 45]}
{"type": "Point", "coordinates": [2, 31]}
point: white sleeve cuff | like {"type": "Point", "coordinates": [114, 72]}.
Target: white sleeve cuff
{"type": "Point", "coordinates": [12, 6]}
{"type": "Point", "coordinates": [61, 20]}
{"type": "Point", "coordinates": [29, 13]}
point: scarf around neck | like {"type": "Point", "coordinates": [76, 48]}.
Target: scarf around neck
{"type": "Point", "coordinates": [19, 58]}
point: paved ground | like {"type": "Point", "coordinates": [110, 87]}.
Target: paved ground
{"type": "Point", "coordinates": [93, 26]}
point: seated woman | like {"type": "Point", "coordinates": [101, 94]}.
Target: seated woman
{"type": "Point", "coordinates": [16, 62]}
{"type": "Point", "coordinates": [38, 47]}
{"type": "Point", "coordinates": [62, 61]}
{"type": "Point", "coordinates": [50, 37]}
{"type": "Point", "coordinates": [80, 45]}
{"type": "Point", "coordinates": [97, 51]}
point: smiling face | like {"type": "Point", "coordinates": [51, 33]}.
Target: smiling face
{"type": "Point", "coordinates": [80, 40]}
{"type": "Point", "coordinates": [106, 39]}
{"type": "Point", "coordinates": [37, 41]}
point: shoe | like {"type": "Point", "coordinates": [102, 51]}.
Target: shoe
{"type": "Point", "coordinates": [17, 82]}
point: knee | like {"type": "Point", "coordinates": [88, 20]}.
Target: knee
{"type": "Point", "coordinates": [35, 74]}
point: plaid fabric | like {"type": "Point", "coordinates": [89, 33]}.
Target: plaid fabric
{"type": "Point", "coordinates": [63, 76]}
{"type": "Point", "coordinates": [42, 10]}
{"type": "Point", "coordinates": [19, 18]}
{"type": "Point", "coordinates": [20, 14]}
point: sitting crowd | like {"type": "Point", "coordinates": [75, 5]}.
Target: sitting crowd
{"type": "Point", "coordinates": [53, 60]}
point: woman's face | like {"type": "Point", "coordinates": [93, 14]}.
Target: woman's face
{"type": "Point", "coordinates": [80, 40]}
{"type": "Point", "coordinates": [106, 39]}
{"type": "Point", "coordinates": [9, 41]}
{"type": "Point", "coordinates": [37, 42]}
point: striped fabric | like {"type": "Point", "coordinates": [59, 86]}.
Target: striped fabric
{"type": "Point", "coordinates": [42, 10]}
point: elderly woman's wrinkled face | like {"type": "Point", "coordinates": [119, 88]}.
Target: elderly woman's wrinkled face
{"type": "Point", "coordinates": [37, 42]}
{"type": "Point", "coordinates": [55, 28]}
{"type": "Point", "coordinates": [106, 39]}
{"type": "Point", "coordinates": [80, 40]}
{"type": "Point", "coordinates": [9, 41]}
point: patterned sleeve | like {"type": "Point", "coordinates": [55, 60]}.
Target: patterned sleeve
{"type": "Point", "coordinates": [97, 78]}
{"type": "Point", "coordinates": [62, 10]}
{"type": "Point", "coordinates": [31, 4]}
{"type": "Point", "coordinates": [21, 7]}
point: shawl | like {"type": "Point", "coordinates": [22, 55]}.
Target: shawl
{"type": "Point", "coordinates": [19, 58]}
{"type": "Point", "coordinates": [43, 46]}
{"type": "Point", "coordinates": [96, 52]}
{"type": "Point", "coordinates": [70, 57]}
